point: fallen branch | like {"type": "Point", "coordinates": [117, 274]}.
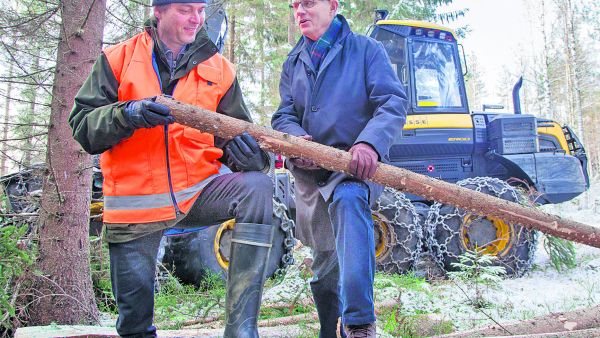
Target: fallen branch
{"type": "Point", "coordinates": [311, 316]}
{"type": "Point", "coordinates": [582, 319]}
{"type": "Point", "coordinates": [398, 178]}
{"type": "Point", "coordinates": [286, 305]}
{"type": "Point", "coordinates": [568, 334]}
{"type": "Point", "coordinates": [195, 321]}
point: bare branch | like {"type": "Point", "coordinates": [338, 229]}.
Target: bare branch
{"type": "Point", "coordinates": [25, 101]}
{"type": "Point", "coordinates": [25, 137]}
{"type": "Point", "coordinates": [50, 12]}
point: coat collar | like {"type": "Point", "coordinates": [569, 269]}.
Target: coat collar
{"type": "Point", "coordinates": [301, 44]}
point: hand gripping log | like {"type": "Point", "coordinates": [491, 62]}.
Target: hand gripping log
{"type": "Point", "coordinates": [404, 180]}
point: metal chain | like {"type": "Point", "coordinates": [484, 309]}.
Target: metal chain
{"type": "Point", "coordinates": [401, 204]}
{"type": "Point", "coordinates": [287, 226]}
{"type": "Point", "coordinates": [438, 221]}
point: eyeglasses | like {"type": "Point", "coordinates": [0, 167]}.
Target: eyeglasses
{"type": "Point", "coordinates": [306, 4]}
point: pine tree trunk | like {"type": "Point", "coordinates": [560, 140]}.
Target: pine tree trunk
{"type": "Point", "coordinates": [147, 10]}
{"type": "Point", "coordinates": [28, 145]}
{"type": "Point", "coordinates": [261, 22]}
{"type": "Point", "coordinates": [292, 28]}
{"type": "Point", "coordinates": [573, 74]}
{"type": "Point", "coordinates": [575, 70]}
{"type": "Point", "coordinates": [232, 37]}
{"type": "Point", "coordinates": [404, 180]}
{"type": "Point", "coordinates": [64, 286]}
{"type": "Point", "coordinates": [3, 168]}
{"type": "Point", "coordinates": [549, 112]}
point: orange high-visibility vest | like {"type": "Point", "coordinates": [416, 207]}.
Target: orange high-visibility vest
{"type": "Point", "coordinates": [160, 170]}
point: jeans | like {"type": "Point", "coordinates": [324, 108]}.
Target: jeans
{"type": "Point", "coordinates": [343, 278]}
{"type": "Point", "coordinates": [247, 197]}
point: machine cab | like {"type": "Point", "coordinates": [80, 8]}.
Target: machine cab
{"type": "Point", "coordinates": [425, 57]}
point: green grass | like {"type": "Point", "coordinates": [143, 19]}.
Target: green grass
{"type": "Point", "coordinates": [176, 302]}
{"type": "Point", "coordinates": [406, 281]}
{"type": "Point", "coordinates": [399, 324]}
{"type": "Point", "coordinates": [15, 258]}
{"type": "Point", "coordinates": [100, 269]}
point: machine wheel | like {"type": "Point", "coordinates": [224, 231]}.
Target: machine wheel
{"type": "Point", "coordinates": [191, 256]}
{"type": "Point", "coordinates": [453, 231]}
{"type": "Point", "coordinates": [398, 232]}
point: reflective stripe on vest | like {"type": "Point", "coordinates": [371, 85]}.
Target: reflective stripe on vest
{"type": "Point", "coordinates": [140, 202]}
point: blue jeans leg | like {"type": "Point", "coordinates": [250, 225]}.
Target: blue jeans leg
{"type": "Point", "coordinates": [350, 215]}
{"type": "Point", "coordinates": [132, 271]}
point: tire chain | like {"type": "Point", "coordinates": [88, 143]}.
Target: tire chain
{"type": "Point", "coordinates": [287, 226]}
{"type": "Point", "coordinates": [435, 219]}
{"type": "Point", "coordinates": [401, 202]}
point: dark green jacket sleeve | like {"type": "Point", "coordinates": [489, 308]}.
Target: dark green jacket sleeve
{"type": "Point", "coordinates": [232, 104]}
{"type": "Point", "coordinates": [97, 117]}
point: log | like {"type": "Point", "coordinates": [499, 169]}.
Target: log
{"type": "Point", "coordinates": [295, 319]}
{"type": "Point", "coordinates": [578, 320]}
{"type": "Point", "coordinates": [312, 316]}
{"type": "Point", "coordinates": [401, 179]}
{"type": "Point", "coordinates": [563, 334]}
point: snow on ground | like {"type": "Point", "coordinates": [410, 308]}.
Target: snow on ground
{"type": "Point", "coordinates": [539, 292]}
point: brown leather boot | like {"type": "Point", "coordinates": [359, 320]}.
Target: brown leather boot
{"type": "Point", "coordinates": [361, 331]}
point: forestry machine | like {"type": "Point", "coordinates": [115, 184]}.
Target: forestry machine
{"type": "Point", "coordinates": [514, 156]}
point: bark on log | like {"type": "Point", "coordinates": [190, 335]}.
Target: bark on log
{"type": "Point", "coordinates": [583, 319]}
{"type": "Point", "coordinates": [404, 180]}
{"type": "Point", "coordinates": [564, 334]}
{"type": "Point", "coordinates": [310, 317]}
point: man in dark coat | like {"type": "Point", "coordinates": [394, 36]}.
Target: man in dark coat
{"type": "Point", "coordinates": [338, 88]}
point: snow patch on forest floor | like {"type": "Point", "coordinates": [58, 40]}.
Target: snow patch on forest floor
{"type": "Point", "coordinates": [540, 291]}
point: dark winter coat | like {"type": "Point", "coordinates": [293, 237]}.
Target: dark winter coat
{"type": "Point", "coordinates": [355, 97]}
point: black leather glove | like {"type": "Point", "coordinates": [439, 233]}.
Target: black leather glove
{"type": "Point", "coordinates": [147, 114]}
{"type": "Point", "coordinates": [245, 153]}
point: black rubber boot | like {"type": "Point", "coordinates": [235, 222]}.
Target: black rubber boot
{"type": "Point", "coordinates": [250, 249]}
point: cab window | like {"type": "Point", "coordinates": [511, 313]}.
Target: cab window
{"type": "Point", "coordinates": [437, 82]}
{"type": "Point", "coordinates": [395, 45]}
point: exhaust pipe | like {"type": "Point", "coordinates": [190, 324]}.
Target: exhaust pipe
{"type": "Point", "coordinates": [516, 97]}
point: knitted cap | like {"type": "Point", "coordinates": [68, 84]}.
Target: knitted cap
{"type": "Point", "coordinates": [166, 2]}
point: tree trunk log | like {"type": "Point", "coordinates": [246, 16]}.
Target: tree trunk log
{"type": "Point", "coordinates": [305, 317]}
{"type": "Point", "coordinates": [7, 106]}
{"type": "Point", "coordinates": [398, 178]}
{"type": "Point", "coordinates": [564, 334]}
{"type": "Point", "coordinates": [552, 324]}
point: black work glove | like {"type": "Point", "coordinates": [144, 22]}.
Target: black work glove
{"type": "Point", "coordinates": [147, 114]}
{"type": "Point", "coordinates": [245, 153]}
